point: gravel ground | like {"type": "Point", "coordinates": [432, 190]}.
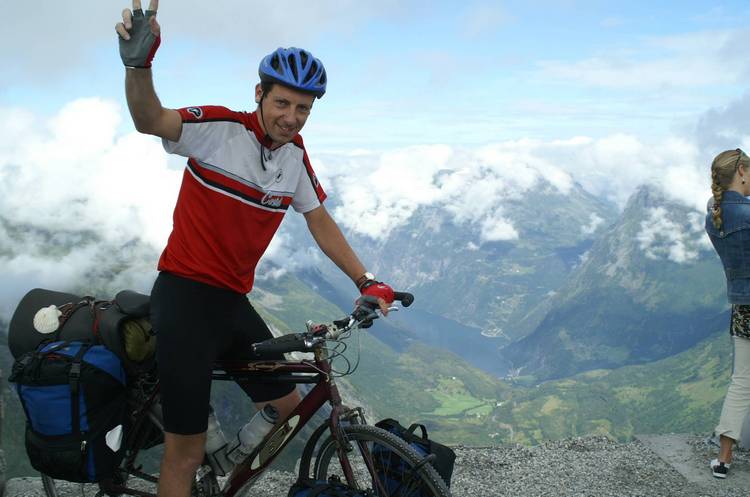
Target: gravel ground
{"type": "Point", "coordinates": [580, 467]}
{"type": "Point", "coordinates": [591, 466]}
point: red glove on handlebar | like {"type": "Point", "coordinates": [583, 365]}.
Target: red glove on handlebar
{"type": "Point", "coordinates": [377, 289]}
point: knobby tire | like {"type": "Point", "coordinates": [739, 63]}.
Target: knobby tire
{"type": "Point", "coordinates": [421, 476]}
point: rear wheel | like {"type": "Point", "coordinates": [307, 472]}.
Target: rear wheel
{"type": "Point", "coordinates": [380, 462]}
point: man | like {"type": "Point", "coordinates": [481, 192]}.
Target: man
{"type": "Point", "coordinates": [244, 170]}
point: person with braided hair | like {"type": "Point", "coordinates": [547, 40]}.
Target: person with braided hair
{"type": "Point", "coordinates": [728, 227]}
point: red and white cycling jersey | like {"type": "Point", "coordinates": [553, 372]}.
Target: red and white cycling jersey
{"type": "Point", "coordinates": [229, 208]}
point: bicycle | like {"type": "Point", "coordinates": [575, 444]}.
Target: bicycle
{"type": "Point", "coordinates": [341, 449]}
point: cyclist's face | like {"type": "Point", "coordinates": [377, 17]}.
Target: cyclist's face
{"type": "Point", "coordinates": [285, 112]}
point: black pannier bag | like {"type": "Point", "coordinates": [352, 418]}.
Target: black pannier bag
{"type": "Point", "coordinates": [322, 488]}
{"type": "Point", "coordinates": [121, 324]}
{"type": "Point", "coordinates": [391, 466]}
{"type": "Point", "coordinates": [74, 396]}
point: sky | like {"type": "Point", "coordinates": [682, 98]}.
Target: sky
{"type": "Point", "coordinates": [428, 103]}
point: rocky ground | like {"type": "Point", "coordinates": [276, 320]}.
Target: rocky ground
{"type": "Point", "coordinates": [591, 466]}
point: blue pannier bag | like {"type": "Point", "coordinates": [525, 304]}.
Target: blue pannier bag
{"type": "Point", "coordinates": [74, 397]}
{"type": "Point", "coordinates": [392, 468]}
{"type": "Point", "coordinates": [323, 488]}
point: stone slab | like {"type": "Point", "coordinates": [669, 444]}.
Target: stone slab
{"type": "Point", "coordinates": [691, 461]}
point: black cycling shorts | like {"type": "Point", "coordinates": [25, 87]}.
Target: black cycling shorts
{"type": "Point", "coordinates": [195, 325]}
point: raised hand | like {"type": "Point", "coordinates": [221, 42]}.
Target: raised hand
{"type": "Point", "coordinates": [139, 35]}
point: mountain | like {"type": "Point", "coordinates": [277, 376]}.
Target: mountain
{"type": "Point", "coordinates": [650, 287]}
{"type": "Point", "coordinates": [495, 286]}
{"type": "Point", "coordinates": [616, 321]}
{"type": "Point", "coordinates": [472, 296]}
{"type": "Point", "coordinates": [680, 394]}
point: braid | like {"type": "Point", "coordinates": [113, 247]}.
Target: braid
{"type": "Point", "coordinates": [718, 193]}
{"type": "Point", "coordinates": [723, 171]}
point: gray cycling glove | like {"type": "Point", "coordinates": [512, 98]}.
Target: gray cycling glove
{"type": "Point", "coordinates": [140, 49]}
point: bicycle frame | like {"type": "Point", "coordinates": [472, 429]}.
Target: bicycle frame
{"type": "Point", "coordinates": [325, 390]}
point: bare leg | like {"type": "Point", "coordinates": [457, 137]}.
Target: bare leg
{"type": "Point", "coordinates": [285, 404]}
{"type": "Point", "coordinates": [725, 452]}
{"type": "Point", "coordinates": [183, 454]}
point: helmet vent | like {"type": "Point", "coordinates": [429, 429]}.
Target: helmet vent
{"type": "Point", "coordinates": [310, 73]}
{"type": "Point", "coordinates": [293, 65]}
{"type": "Point", "coordinates": [275, 62]}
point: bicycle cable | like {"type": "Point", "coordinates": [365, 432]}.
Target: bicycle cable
{"type": "Point", "coordinates": [334, 353]}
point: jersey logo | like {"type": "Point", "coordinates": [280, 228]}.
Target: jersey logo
{"type": "Point", "coordinates": [196, 111]}
{"type": "Point", "coordinates": [271, 200]}
{"type": "Point", "coordinates": [279, 175]}
{"type": "Point", "coordinates": [315, 180]}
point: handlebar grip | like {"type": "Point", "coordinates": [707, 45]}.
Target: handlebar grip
{"type": "Point", "coordinates": [404, 297]}
{"type": "Point", "coordinates": [280, 345]}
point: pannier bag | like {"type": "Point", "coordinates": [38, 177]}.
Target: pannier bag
{"type": "Point", "coordinates": [121, 324]}
{"type": "Point", "coordinates": [74, 397]}
{"type": "Point", "coordinates": [322, 488]}
{"type": "Point", "coordinates": [391, 465]}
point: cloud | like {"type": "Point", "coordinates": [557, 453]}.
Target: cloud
{"type": "Point", "coordinates": [75, 180]}
{"type": "Point", "coordinates": [594, 222]}
{"type": "Point", "coordinates": [284, 254]}
{"type": "Point", "coordinates": [483, 19]}
{"type": "Point", "coordinates": [724, 127]}
{"type": "Point", "coordinates": [74, 172]}
{"type": "Point", "coordinates": [80, 205]}
{"type": "Point", "coordinates": [612, 22]}
{"type": "Point", "coordinates": [84, 207]}
{"type": "Point", "coordinates": [689, 61]}
{"type": "Point", "coordinates": [496, 228]}
{"type": "Point", "coordinates": [677, 240]}
{"type": "Point", "coordinates": [381, 191]}
{"type": "Point", "coordinates": [53, 37]}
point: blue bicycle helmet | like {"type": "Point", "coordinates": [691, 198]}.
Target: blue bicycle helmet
{"type": "Point", "coordinates": [295, 68]}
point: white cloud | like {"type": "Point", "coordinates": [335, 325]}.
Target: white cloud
{"type": "Point", "coordinates": [484, 19]}
{"type": "Point", "coordinates": [72, 181]}
{"type": "Point", "coordinates": [88, 207]}
{"type": "Point", "coordinates": [612, 22]}
{"type": "Point", "coordinates": [73, 172]}
{"type": "Point", "coordinates": [661, 237]}
{"type": "Point", "coordinates": [56, 36]}
{"type": "Point", "coordinates": [496, 228]}
{"type": "Point", "coordinates": [594, 222]}
{"type": "Point", "coordinates": [283, 255]}
{"type": "Point", "coordinates": [380, 191]}
{"type": "Point", "coordinates": [686, 61]}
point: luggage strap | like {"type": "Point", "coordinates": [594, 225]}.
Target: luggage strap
{"type": "Point", "coordinates": [74, 379]}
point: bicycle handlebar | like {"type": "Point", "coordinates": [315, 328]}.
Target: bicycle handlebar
{"type": "Point", "coordinates": [285, 343]}
{"type": "Point", "coordinates": [404, 297]}
{"type": "Point", "coordinates": [366, 311]}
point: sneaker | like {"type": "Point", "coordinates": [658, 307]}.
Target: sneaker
{"type": "Point", "coordinates": [719, 469]}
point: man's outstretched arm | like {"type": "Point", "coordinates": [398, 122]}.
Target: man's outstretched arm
{"type": "Point", "coordinates": [140, 36]}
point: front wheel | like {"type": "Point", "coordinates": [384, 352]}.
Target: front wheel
{"type": "Point", "coordinates": [48, 483]}
{"type": "Point", "coordinates": [380, 462]}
